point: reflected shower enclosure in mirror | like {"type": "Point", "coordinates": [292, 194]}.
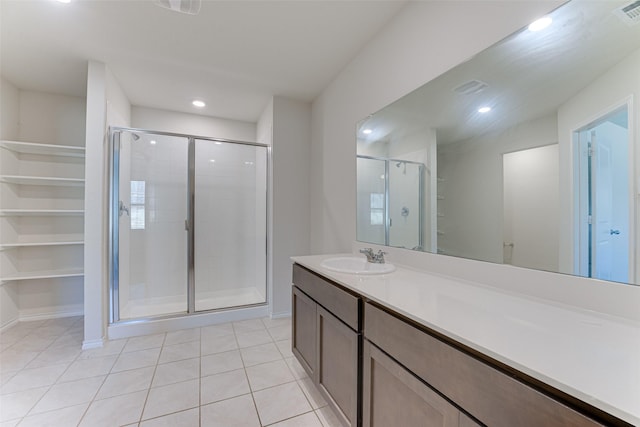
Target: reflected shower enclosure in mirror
{"type": "Point", "coordinates": [525, 154]}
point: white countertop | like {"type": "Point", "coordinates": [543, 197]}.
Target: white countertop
{"type": "Point", "coordinates": [593, 357]}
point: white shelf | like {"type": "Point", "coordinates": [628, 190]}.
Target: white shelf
{"type": "Point", "coordinates": [41, 212]}
{"type": "Point", "coordinates": [38, 244]}
{"type": "Point", "coordinates": [41, 180]}
{"type": "Point", "coordinates": [45, 274]}
{"type": "Point", "coordinates": [43, 149]}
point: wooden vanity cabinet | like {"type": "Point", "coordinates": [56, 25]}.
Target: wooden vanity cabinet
{"type": "Point", "coordinates": [420, 358]}
{"type": "Point", "coordinates": [327, 340]}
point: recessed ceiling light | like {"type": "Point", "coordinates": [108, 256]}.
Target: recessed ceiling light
{"type": "Point", "coordinates": [367, 131]}
{"type": "Point", "coordinates": [218, 143]}
{"type": "Point", "coordinates": [152, 142]}
{"type": "Point", "coordinates": [198, 103]}
{"type": "Point", "coordinates": [382, 176]}
{"type": "Point", "coordinates": [248, 163]}
{"type": "Point", "coordinates": [540, 24]}
{"type": "Point", "coordinates": [64, 1]}
{"type": "Point", "coordinates": [212, 160]}
{"type": "Point", "coordinates": [484, 109]}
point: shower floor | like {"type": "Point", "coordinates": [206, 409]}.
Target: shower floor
{"type": "Point", "coordinates": [149, 307]}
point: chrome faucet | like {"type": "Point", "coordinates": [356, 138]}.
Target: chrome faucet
{"type": "Point", "coordinates": [376, 258]}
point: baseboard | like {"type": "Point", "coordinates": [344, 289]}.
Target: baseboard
{"type": "Point", "coordinates": [58, 312]}
{"type": "Point", "coordinates": [280, 315]}
{"type": "Point", "coordinates": [9, 324]}
{"type": "Point", "coordinates": [88, 345]}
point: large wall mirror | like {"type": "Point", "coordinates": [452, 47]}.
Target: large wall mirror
{"type": "Point", "coordinates": [524, 155]}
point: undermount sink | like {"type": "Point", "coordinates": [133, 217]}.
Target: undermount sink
{"type": "Point", "coordinates": [356, 265]}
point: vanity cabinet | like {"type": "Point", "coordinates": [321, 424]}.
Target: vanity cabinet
{"type": "Point", "coordinates": [394, 396]}
{"type": "Point", "coordinates": [425, 362]}
{"type": "Point", "coordinates": [327, 340]}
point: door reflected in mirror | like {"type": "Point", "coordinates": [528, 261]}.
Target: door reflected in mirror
{"type": "Point", "coordinates": [523, 155]}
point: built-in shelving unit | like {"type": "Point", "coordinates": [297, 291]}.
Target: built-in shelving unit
{"type": "Point", "coordinates": [42, 211]}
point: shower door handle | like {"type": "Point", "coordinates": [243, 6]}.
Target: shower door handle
{"type": "Point", "coordinates": [122, 208]}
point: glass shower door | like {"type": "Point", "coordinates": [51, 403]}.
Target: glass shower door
{"type": "Point", "coordinates": [152, 240]}
{"type": "Point", "coordinates": [230, 223]}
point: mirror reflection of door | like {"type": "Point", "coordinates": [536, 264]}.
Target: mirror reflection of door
{"type": "Point", "coordinates": [531, 208]}
{"type": "Point", "coordinates": [604, 197]}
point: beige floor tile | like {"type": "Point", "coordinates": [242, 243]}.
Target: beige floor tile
{"type": "Point", "coordinates": [223, 386]}
{"type": "Point", "coordinates": [33, 378]}
{"type": "Point", "coordinates": [11, 360]}
{"type": "Point", "coordinates": [269, 374]}
{"type": "Point", "coordinates": [88, 368]}
{"type": "Point", "coordinates": [171, 398]}
{"type": "Point", "coordinates": [69, 339]}
{"type": "Point", "coordinates": [280, 333]}
{"type": "Point", "coordinates": [219, 344]}
{"type": "Point", "coordinates": [310, 419]}
{"type": "Point", "coordinates": [68, 394]}
{"type": "Point", "coordinates": [109, 348]}
{"type": "Point", "coordinates": [10, 423]}
{"type": "Point", "coordinates": [188, 418]}
{"type": "Point", "coordinates": [285, 348]}
{"type": "Point", "coordinates": [143, 343]}
{"type": "Point", "coordinates": [54, 356]}
{"type": "Point", "coordinates": [248, 326]}
{"type": "Point", "coordinates": [281, 402]}
{"type": "Point", "coordinates": [273, 323]}
{"type": "Point", "coordinates": [182, 336]}
{"type": "Point", "coordinates": [17, 405]}
{"type": "Point", "coordinates": [220, 362]}
{"type": "Point", "coordinates": [175, 372]}
{"type": "Point", "coordinates": [250, 339]}
{"type": "Point", "coordinates": [296, 368]}
{"type": "Point", "coordinates": [172, 353]}
{"type": "Point", "coordinates": [33, 343]}
{"type": "Point", "coordinates": [311, 392]}
{"type": "Point", "coordinates": [126, 382]}
{"type": "Point", "coordinates": [65, 417]}
{"type": "Point", "coordinates": [136, 359]}
{"type": "Point", "coordinates": [215, 331]}
{"type": "Point", "coordinates": [115, 411]}
{"type": "Point", "coordinates": [237, 412]}
{"type": "Point", "coordinates": [260, 354]}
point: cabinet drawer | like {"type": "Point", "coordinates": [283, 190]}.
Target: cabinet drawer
{"type": "Point", "coordinates": [341, 303]}
{"type": "Point", "coordinates": [488, 394]}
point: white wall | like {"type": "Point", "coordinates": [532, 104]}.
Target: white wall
{"type": "Point", "coordinates": [290, 125]}
{"type": "Point", "coordinates": [9, 113]}
{"type": "Point", "coordinates": [472, 188]}
{"type": "Point", "coordinates": [9, 110]}
{"type": "Point", "coordinates": [192, 124]}
{"type": "Point", "coordinates": [106, 105]}
{"type": "Point", "coordinates": [422, 41]}
{"type": "Point", "coordinates": [618, 85]}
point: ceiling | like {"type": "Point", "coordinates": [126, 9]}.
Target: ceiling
{"type": "Point", "coordinates": [234, 55]}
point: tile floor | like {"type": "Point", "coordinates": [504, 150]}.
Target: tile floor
{"type": "Point", "coordinates": [232, 374]}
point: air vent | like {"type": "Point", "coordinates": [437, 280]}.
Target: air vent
{"type": "Point", "coordinates": [629, 14]}
{"type": "Point", "coordinates": [470, 87]}
{"type": "Point", "coordinates": [190, 7]}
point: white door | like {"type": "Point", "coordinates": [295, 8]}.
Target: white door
{"type": "Point", "coordinates": [604, 209]}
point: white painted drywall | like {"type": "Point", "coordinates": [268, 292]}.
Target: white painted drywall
{"type": "Point", "coordinates": [618, 85]}
{"type": "Point", "coordinates": [471, 199]}
{"type": "Point", "coordinates": [192, 124]}
{"type": "Point", "coordinates": [422, 41]}
{"type": "Point", "coordinates": [290, 193]}
{"type": "Point", "coordinates": [9, 110]}
{"type": "Point", "coordinates": [9, 107]}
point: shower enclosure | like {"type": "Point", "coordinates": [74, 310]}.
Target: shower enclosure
{"type": "Point", "coordinates": [188, 224]}
{"type": "Point", "coordinates": [390, 195]}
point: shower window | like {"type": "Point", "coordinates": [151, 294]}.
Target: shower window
{"type": "Point", "coordinates": [377, 208]}
{"type": "Point", "coordinates": [137, 205]}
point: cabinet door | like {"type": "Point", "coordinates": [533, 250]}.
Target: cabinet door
{"type": "Point", "coordinates": [394, 397]}
{"type": "Point", "coordinates": [303, 336]}
{"type": "Point", "coordinates": [338, 366]}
